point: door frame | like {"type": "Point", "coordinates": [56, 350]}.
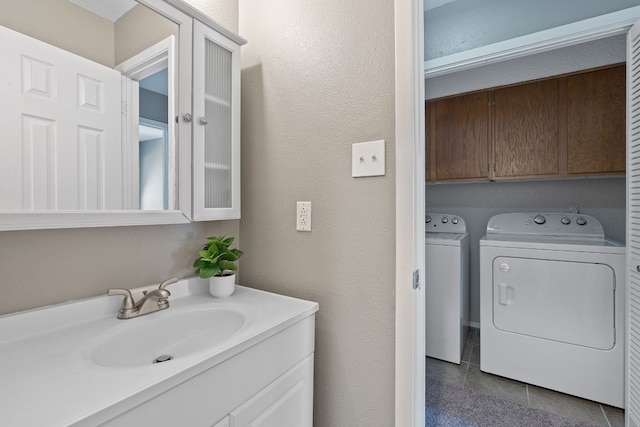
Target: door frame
{"type": "Point", "coordinates": [411, 70]}
{"type": "Point", "coordinates": [410, 208]}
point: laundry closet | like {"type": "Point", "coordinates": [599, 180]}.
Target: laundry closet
{"type": "Point", "coordinates": [503, 175]}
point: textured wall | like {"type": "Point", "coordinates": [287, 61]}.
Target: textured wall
{"type": "Point", "coordinates": [467, 24]}
{"type": "Point", "coordinates": [603, 198]}
{"type": "Point", "coordinates": [139, 29]}
{"type": "Point", "coordinates": [62, 24]}
{"type": "Point", "coordinates": [611, 50]}
{"type": "Point", "coordinates": [317, 77]}
{"type": "Point", "coordinates": [223, 12]}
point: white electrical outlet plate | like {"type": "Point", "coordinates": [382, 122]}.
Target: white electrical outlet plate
{"type": "Point", "coordinates": [367, 159]}
{"type": "Point", "coordinates": [303, 216]}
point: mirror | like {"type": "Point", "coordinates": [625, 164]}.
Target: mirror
{"type": "Point", "coordinates": [87, 90]}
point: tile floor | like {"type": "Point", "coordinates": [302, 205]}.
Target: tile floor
{"type": "Point", "coordinates": [468, 374]}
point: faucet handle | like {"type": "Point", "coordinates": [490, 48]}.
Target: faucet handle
{"type": "Point", "coordinates": [127, 303]}
{"type": "Point", "coordinates": [167, 282]}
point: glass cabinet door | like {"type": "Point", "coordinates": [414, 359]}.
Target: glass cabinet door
{"type": "Point", "coordinates": [216, 126]}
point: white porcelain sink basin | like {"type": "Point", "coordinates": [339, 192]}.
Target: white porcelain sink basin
{"type": "Point", "coordinates": [165, 335]}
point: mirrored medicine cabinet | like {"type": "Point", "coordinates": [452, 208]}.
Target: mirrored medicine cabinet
{"type": "Point", "coordinates": [117, 112]}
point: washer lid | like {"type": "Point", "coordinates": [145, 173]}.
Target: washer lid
{"type": "Point", "coordinates": [551, 226]}
{"type": "Point", "coordinates": [444, 223]}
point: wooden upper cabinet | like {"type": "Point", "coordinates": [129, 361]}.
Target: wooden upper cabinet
{"type": "Point", "coordinates": [525, 124]}
{"type": "Point", "coordinates": [596, 138]}
{"type": "Point", "coordinates": [458, 137]}
{"type": "Point", "coordinates": [557, 127]}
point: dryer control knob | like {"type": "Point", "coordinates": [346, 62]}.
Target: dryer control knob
{"type": "Point", "coordinates": [454, 220]}
{"type": "Point", "coordinates": [445, 220]}
{"type": "Point", "coordinates": [427, 219]}
{"type": "Point", "coordinates": [565, 220]}
{"type": "Point", "coordinates": [539, 219]}
{"type": "Point", "coordinates": [581, 221]}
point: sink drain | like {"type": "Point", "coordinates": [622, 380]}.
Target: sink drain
{"type": "Point", "coordinates": [163, 358]}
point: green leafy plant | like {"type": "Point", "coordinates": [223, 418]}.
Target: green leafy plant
{"type": "Point", "coordinates": [216, 258]}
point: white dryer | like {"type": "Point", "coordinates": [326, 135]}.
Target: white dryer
{"type": "Point", "coordinates": [447, 286]}
{"type": "Point", "coordinates": [552, 311]}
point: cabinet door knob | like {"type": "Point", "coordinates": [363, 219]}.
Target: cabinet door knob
{"type": "Point", "coordinates": [203, 121]}
{"type": "Point", "coordinates": [187, 117]}
{"type": "Point", "coordinates": [638, 268]}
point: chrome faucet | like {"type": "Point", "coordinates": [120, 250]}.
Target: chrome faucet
{"type": "Point", "coordinates": [143, 300]}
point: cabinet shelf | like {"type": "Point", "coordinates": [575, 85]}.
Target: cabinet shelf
{"type": "Point", "coordinates": [217, 100]}
{"type": "Point", "coordinates": [217, 166]}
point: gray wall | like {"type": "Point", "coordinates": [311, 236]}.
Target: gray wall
{"type": "Point", "coordinates": [317, 77]}
{"type": "Point", "coordinates": [477, 202]}
{"type": "Point", "coordinates": [603, 198]}
{"type": "Point", "coordinates": [467, 24]}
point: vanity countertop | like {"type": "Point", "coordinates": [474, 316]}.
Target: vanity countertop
{"type": "Point", "coordinates": [49, 376]}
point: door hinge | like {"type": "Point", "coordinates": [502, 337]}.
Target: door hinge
{"type": "Point", "coordinates": [416, 279]}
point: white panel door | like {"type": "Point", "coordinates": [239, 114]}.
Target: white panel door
{"type": "Point", "coordinates": [632, 412]}
{"type": "Point", "coordinates": [61, 130]}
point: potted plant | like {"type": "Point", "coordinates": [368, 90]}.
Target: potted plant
{"type": "Point", "coordinates": [217, 262]}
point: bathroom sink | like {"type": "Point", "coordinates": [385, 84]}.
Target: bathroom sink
{"type": "Point", "coordinates": [164, 336]}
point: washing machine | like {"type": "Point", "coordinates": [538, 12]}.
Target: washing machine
{"type": "Point", "coordinates": [552, 311]}
{"type": "Point", "coordinates": [446, 286]}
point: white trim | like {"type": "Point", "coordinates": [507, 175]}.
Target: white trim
{"type": "Point", "coordinates": [566, 35]}
{"type": "Point", "coordinates": [81, 219]}
{"type": "Point", "coordinates": [409, 116]}
{"type": "Point", "coordinates": [153, 59]}
{"type": "Point", "coordinates": [183, 103]}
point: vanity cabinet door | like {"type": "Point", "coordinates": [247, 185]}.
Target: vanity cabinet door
{"type": "Point", "coordinates": [216, 125]}
{"type": "Point", "coordinates": [287, 402]}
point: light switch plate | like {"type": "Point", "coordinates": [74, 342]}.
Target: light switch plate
{"type": "Point", "coordinates": [367, 159]}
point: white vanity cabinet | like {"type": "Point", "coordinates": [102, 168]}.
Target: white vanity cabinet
{"type": "Point", "coordinates": [288, 401]}
{"type": "Point", "coordinates": [270, 384]}
{"type": "Point", "coordinates": [244, 360]}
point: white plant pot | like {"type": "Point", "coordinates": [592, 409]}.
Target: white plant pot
{"type": "Point", "coordinates": [222, 286]}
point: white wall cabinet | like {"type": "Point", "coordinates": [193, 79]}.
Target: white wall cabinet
{"type": "Point", "coordinates": [216, 125]}
{"type": "Point", "coordinates": [203, 143]}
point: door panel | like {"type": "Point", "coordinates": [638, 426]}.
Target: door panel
{"type": "Point", "coordinates": [62, 130]}
{"type": "Point", "coordinates": [564, 301]}
{"type": "Point", "coordinates": [526, 130]}
{"type": "Point", "coordinates": [632, 412]}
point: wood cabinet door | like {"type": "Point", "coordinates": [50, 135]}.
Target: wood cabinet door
{"type": "Point", "coordinates": [525, 130]}
{"type": "Point", "coordinates": [458, 141]}
{"type": "Point", "coordinates": [596, 121]}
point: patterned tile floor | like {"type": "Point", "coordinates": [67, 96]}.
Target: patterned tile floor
{"type": "Point", "coordinates": [469, 375]}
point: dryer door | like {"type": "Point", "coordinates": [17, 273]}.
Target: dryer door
{"type": "Point", "coordinates": [564, 301]}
